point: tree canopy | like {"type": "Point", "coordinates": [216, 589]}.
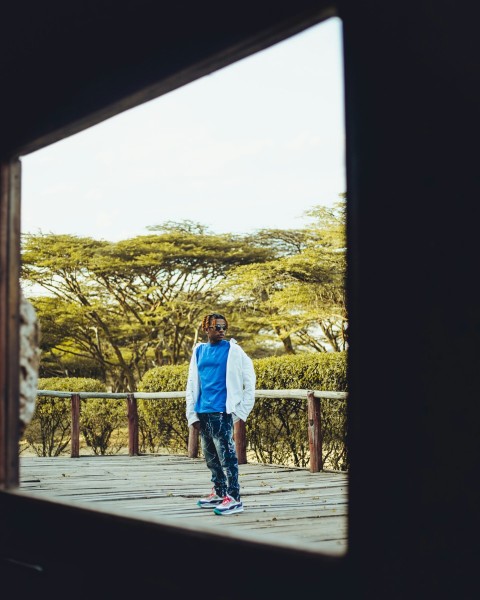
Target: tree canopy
{"type": "Point", "coordinates": [117, 309]}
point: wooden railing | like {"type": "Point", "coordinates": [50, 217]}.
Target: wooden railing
{"type": "Point", "coordinates": [312, 397]}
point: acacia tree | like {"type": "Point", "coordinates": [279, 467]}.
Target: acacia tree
{"type": "Point", "coordinates": [299, 297]}
{"type": "Point", "coordinates": [70, 345]}
{"type": "Point", "coordinates": [136, 303]}
{"type": "Point", "coordinates": [320, 274]}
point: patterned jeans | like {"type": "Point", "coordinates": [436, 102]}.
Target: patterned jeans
{"type": "Point", "coordinates": [216, 430]}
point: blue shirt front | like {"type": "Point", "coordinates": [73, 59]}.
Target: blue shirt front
{"type": "Point", "coordinates": [212, 371]}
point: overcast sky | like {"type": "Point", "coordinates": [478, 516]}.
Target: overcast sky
{"type": "Point", "coordinates": [251, 146]}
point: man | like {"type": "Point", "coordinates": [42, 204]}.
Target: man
{"type": "Point", "coordinates": [220, 390]}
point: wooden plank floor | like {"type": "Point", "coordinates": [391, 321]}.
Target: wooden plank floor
{"type": "Point", "coordinates": [283, 506]}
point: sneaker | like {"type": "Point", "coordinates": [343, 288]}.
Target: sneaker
{"type": "Point", "coordinates": [210, 501]}
{"type": "Point", "coordinates": [229, 506]}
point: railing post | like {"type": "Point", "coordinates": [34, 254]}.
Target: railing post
{"type": "Point", "coordinates": [75, 445]}
{"type": "Point", "coordinates": [314, 433]}
{"type": "Point", "coordinates": [240, 441]}
{"type": "Point", "coordinates": [193, 434]}
{"type": "Point", "coordinates": [132, 414]}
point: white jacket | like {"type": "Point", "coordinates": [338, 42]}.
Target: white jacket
{"type": "Point", "coordinates": [240, 384]}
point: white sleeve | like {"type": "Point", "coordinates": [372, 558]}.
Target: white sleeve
{"type": "Point", "coordinates": [249, 380]}
{"type": "Point", "coordinates": [190, 398]}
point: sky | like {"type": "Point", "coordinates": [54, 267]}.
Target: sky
{"type": "Point", "coordinates": [254, 145]}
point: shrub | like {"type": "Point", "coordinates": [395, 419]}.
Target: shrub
{"type": "Point", "coordinates": [162, 423]}
{"type": "Point", "coordinates": [277, 429]}
{"type": "Point", "coordinates": [102, 423]}
{"type": "Point", "coordinates": [49, 432]}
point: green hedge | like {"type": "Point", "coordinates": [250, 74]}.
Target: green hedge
{"type": "Point", "coordinates": [277, 429]}
{"type": "Point", "coordinates": [49, 432]}
{"type": "Point", "coordinates": [319, 371]}
{"type": "Point", "coordinates": [162, 423]}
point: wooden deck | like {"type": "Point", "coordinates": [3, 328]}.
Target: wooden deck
{"type": "Point", "coordinates": [283, 506]}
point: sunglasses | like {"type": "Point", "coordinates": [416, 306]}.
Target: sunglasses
{"type": "Point", "coordinates": [219, 328]}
